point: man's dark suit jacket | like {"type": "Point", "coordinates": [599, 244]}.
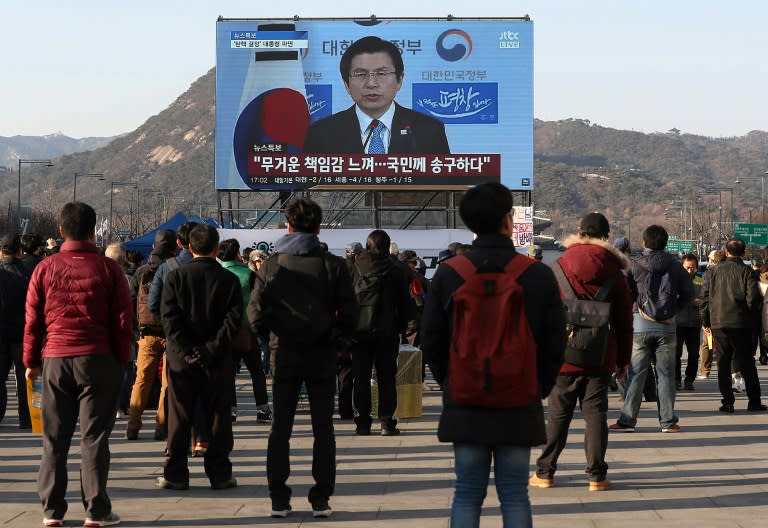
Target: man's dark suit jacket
{"type": "Point", "coordinates": [412, 133]}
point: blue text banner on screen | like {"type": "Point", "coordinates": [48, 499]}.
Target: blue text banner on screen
{"type": "Point", "coordinates": [274, 78]}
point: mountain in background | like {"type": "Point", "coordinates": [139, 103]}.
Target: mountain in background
{"type": "Point", "coordinates": [45, 147]}
{"type": "Point", "coordinates": [682, 181]}
{"type": "Point", "coordinates": [632, 177]}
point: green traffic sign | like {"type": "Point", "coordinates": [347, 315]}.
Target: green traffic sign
{"type": "Point", "coordinates": [681, 246]}
{"type": "Point", "coordinates": [756, 234]}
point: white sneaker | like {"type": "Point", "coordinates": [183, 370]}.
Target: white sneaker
{"type": "Point", "coordinates": [321, 510]}
{"type": "Point", "coordinates": [702, 377]}
{"type": "Point", "coordinates": [110, 520]}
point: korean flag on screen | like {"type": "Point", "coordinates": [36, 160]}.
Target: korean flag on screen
{"type": "Point", "coordinates": [273, 112]}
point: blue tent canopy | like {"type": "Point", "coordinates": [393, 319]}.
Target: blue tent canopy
{"type": "Point", "coordinates": [143, 244]}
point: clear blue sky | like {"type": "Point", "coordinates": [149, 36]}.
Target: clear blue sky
{"type": "Point", "coordinates": [100, 68]}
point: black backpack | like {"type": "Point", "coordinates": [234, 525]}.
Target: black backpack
{"type": "Point", "coordinates": [657, 297]}
{"type": "Point", "coordinates": [587, 322]}
{"type": "Point", "coordinates": [369, 291]}
{"type": "Point", "coordinates": [298, 306]}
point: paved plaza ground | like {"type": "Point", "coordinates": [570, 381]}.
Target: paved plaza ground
{"type": "Point", "coordinates": [713, 474]}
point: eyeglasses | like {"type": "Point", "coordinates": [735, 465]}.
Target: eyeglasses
{"type": "Point", "coordinates": [377, 76]}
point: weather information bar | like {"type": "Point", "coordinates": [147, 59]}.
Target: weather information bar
{"type": "Point", "coordinates": [309, 170]}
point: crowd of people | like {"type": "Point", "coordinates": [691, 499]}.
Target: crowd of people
{"type": "Point", "coordinates": [172, 331]}
{"type": "Point", "coordinates": [107, 335]}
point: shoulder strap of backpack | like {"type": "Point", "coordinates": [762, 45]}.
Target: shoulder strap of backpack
{"type": "Point", "coordinates": [329, 279]}
{"type": "Point", "coordinates": [466, 268]}
{"type": "Point", "coordinates": [356, 270]}
{"type": "Point", "coordinates": [562, 280]}
{"type": "Point", "coordinates": [173, 263]}
{"type": "Point", "coordinates": [605, 289]}
{"type": "Point", "coordinates": [570, 293]}
{"type": "Point", "coordinates": [517, 265]}
{"type": "Point", "coordinates": [277, 260]}
{"type": "Point", "coordinates": [462, 265]}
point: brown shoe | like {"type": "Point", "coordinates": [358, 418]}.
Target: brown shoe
{"type": "Point", "coordinates": [538, 482]}
{"type": "Point", "coordinates": [200, 449]}
{"type": "Point", "coordinates": [600, 485]}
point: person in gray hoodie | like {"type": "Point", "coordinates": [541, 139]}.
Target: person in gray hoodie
{"type": "Point", "coordinates": [302, 300]}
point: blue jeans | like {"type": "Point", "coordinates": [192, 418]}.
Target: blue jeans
{"type": "Point", "coordinates": [473, 466]}
{"type": "Point", "coordinates": [645, 344]}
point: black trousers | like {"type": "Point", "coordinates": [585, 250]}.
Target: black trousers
{"type": "Point", "coordinates": [691, 338]}
{"type": "Point", "coordinates": [84, 387]}
{"type": "Point", "coordinates": [188, 387]}
{"type": "Point", "coordinates": [252, 360]}
{"type": "Point", "coordinates": [344, 378]}
{"type": "Point", "coordinates": [736, 344]}
{"type": "Point", "coordinates": [591, 392]}
{"type": "Point", "coordinates": [380, 352]}
{"type": "Point", "coordinates": [285, 396]}
{"type": "Point", "coordinates": [10, 354]}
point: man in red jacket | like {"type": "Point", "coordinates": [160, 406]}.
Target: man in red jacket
{"type": "Point", "coordinates": [589, 261]}
{"type": "Point", "coordinates": [78, 336]}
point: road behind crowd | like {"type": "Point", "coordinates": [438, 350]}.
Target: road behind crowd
{"type": "Point", "coordinates": [713, 474]}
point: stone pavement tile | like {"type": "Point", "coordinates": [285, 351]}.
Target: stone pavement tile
{"type": "Point", "coordinates": [714, 473]}
{"type": "Point", "coordinates": [561, 522]}
{"type": "Point", "coordinates": [624, 521]}
{"type": "Point", "coordinates": [437, 515]}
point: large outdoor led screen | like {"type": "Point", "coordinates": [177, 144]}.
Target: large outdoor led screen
{"type": "Point", "coordinates": [286, 119]}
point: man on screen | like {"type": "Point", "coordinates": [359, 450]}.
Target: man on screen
{"type": "Point", "coordinates": [372, 70]}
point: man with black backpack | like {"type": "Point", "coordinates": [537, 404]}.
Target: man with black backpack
{"type": "Point", "coordinates": [302, 300]}
{"type": "Point", "coordinates": [493, 334]}
{"type": "Point", "coordinates": [382, 292]}
{"type": "Point", "coordinates": [660, 288]}
{"type": "Point", "coordinates": [590, 277]}
{"type": "Point", "coordinates": [151, 339]}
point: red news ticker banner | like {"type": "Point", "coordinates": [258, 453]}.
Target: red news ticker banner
{"type": "Point", "coordinates": [308, 170]}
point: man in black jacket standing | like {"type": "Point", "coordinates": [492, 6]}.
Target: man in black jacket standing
{"type": "Point", "coordinates": [480, 434]}
{"type": "Point", "coordinates": [730, 306]}
{"type": "Point", "coordinates": [378, 339]}
{"type": "Point", "coordinates": [302, 299]}
{"type": "Point", "coordinates": [201, 310]}
{"type": "Point", "coordinates": [13, 293]}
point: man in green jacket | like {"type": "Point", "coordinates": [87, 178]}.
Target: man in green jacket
{"type": "Point", "coordinates": [245, 345]}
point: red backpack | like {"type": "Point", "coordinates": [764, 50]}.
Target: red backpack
{"type": "Point", "coordinates": [493, 350]}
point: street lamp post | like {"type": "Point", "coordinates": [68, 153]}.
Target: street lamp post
{"type": "Point", "coordinates": [112, 186]}
{"type": "Point", "coordinates": [762, 196]}
{"type": "Point", "coordinates": [99, 175]}
{"type": "Point", "coordinates": [674, 207]}
{"type": "Point", "coordinates": [720, 191]}
{"type": "Point", "coordinates": [162, 196]}
{"type": "Point", "coordinates": [762, 191]}
{"type": "Point", "coordinates": [18, 195]}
